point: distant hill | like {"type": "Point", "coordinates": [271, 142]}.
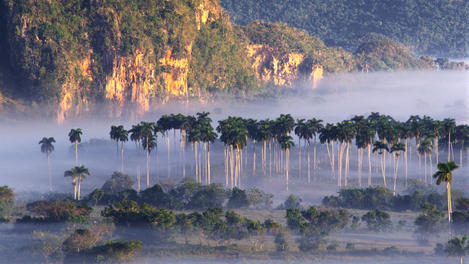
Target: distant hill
{"type": "Point", "coordinates": [69, 55]}
{"type": "Point", "coordinates": [429, 27]}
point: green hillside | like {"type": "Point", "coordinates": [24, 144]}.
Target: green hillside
{"type": "Point", "coordinates": [430, 27]}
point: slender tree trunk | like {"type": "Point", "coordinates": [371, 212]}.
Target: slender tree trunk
{"type": "Point", "coordinates": [437, 152]}
{"type": "Point", "coordinates": [383, 169]}
{"type": "Point", "coordinates": [226, 164]}
{"type": "Point", "coordinates": [76, 153]}
{"type": "Point", "coordinates": [138, 179]}
{"type": "Point", "coordinates": [50, 173]}
{"type": "Point", "coordinates": [233, 183]}
{"type": "Point", "coordinates": [196, 160]}
{"type": "Point", "coordinates": [122, 157]}
{"type": "Point", "coordinates": [449, 147]}
{"type": "Point", "coordinates": [270, 158]}
{"type": "Point", "coordinates": [148, 168]}
{"type": "Point", "coordinates": [299, 158]}
{"type": "Point", "coordinates": [369, 164]}
{"type": "Point", "coordinates": [425, 164]}
{"type": "Point", "coordinates": [450, 208]}
{"type": "Point", "coordinates": [254, 158]}
{"type": "Point", "coordinates": [360, 165]}
{"type": "Point", "coordinates": [208, 164]}
{"type": "Point", "coordinates": [79, 187]}
{"type": "Point", "coordinates": [347, 163]}
{"type": "Point", "coordinates": [406, 163]}
{"type": "Point", "coordinates": [168, 145]}
{"type": "Point", "coordinates": [287, 161]}
{"type": "Point", "coordinates": [75, 188]}
{"type": "Point", "coordinates": [309, 163]}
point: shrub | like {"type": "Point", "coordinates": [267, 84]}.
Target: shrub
{"type": "Point", "coordinates": [238, 199]}
{"type": "Point", "coordinates": [291, 202]}
{"type": "Point", "coordinates": [7, 201]}
{"type": "Point", "coordinates": [57, 211]}
{"type": "Point", "coordinates": [111, 252]}
{"type": "Point", "coordinates": [118, 183]}
{"type": "Point", "coordinates": [377, 221]}
{"type": "Point", "coordinates": [429, 222]}
{"type": "Point", "coordinates": [259, 199]}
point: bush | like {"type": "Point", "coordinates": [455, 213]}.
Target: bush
{"type": "Point", "coordinates": [118, 183]}
{"type": "Point", "coordinates": [281, 242]}
{"type": "Point", "coordinates": [291, 202]}
{"type": "Point", "coordinates": [259, 199]}
{"type": "Point", "coordinates": [7, 201]}
{"type": "Point", "coordinates": [111, 252]}
{"type": "Point", "coordinates": [429, 222]}
{"type": "Point", "coordinates": [78, 241]}
{"type": "Point", "coordinates": [210, 196]}
{"type": "Point", "coordinates": [238, 199]}
{"type": "Point", "coordinates": [377, 221]}
{"type": "Point", "coordinates": [57, 211]}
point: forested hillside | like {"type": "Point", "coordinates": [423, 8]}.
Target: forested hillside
{"type": "Point", "coordinates": [431, 27]}
{"type": "Point", "coordinates": [131, 55]}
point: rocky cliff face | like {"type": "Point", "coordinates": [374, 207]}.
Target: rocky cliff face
{"type": "Point", "coordinates": [71, 55]}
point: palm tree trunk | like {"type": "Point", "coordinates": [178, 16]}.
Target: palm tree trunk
{"type": "Point", "coordinates": [196, 163]}
{"type": "Point", "coordinates": [168, 145]}
{"type": "Point", "coordinates": [254, 158]}
{"type": "Point", "coordinates": [449, 147]}
{"type": "Point", "coordinates": [406, 163]}
{"type": "Point", "coordinates": [79, 187]}
{"type": "Point", "coordinates": [450, 208]}
{"type": "Point", "coordinates": [76, 153]}
{"type": "Point", "coordinates": [148, 168]}
{"type": "Point", "coordinates": [383, 170]}
{"type": "Point", "coordinates": [369, 164]}
{"type": "Point", "coordinates": [50, 173]}
{"type": "Point", "coordinates": [233, 183]}
{"type": "Point", "coordinates": [347, 163]}
{"type": "Point", "coordinates": [226, 164]}
{"type": "Point", "coordinates": [138, 179]}
{"type": "Point", "coordinates": [122, 157]}
{"type": "Point", "coordinates": [425, 164]}
{"type": "Point", "coordinates": [437, 152]}
{"type": "Point", "coordinates": [287, 161]}
{"type": "Point", "coordinates": [208, 163]}
{"type": "Point", "coordinates": [309, 164]}
{"type": "Point", "coordinates": [75, 188]}
{"type": "Point", "coordinates": [360, 165]}
{"type": "Point", "coordinates": [270, 158]}
{"type": "Point", "coordinates": [299, 158]}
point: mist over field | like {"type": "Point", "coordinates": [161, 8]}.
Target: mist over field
{"type": "Point", "coordinates": [440, 95]}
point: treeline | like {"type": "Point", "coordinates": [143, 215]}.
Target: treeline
{"type": "Point", "coordinates": [436, 27]}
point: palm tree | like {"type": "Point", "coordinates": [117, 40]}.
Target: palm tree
{"type": "Point", "coordinates": [123, 136]}
{"type": "Point", "coordinates": [78, 174]}
{"type": "Point", "coordinates": [136, 135]}
{"type": "Point", "coordinates": [314, 126]}
{"type": "Point", "coordinates": [396, 150]}
{"type": "Point", "coordinates": [328, 135]}
{"type": "Point", "coordinates": [381, 148]}
{"type": "Point", "coordinates": [165, 123]}
{"type": "Point", "coordinates": [448, 126]}
{"type": "Point", "coordinates": [119, 134]}
{"type": "Point", "coordinates": [75, 137]}
{"type": "Point", "coordinates": [461, 135]}
{"type": "Point", "coordinates": [47, 147]}
{"type": "Point", "coordinates": [148, 143]}
{"type": "Point", "coordinates": [286, 142]}
{"type": "Point", "coordinates": [445, 174]}
{"type": "Point", "coordinates": [301, 131]}
{"type": "Point", "coordinates": [425, 148]}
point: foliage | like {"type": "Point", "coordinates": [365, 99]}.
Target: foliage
{"type": "Point", "coordinates": [377, 221]}
{"type": "Point", "coordinates": [430, 221]}
{"type": "Point", "coordinates": [57, 212]}
{"type": "Point", "coordinates": [118, 183]}
{"type": "Point", "coordinates": [7, 201]}
{"type": "Point", "coordinates": [111, 252]}
{"type": "Point", "coordinates": [457, 247]}
{"type": "Point", "coordinates": [259, 199]}
{"type": "Point", "coordinates": [313, 225]}
{"type": "Point", "coordinates": [292, 202]}
{"type": "Point", "coordinates": [342, 23]}
{"type": "Point", "coordinates": [238, 199]}
{"type": "Point", "coordinates": [381, 198]}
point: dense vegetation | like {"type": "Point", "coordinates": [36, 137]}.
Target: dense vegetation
{"type": "Point", "coordinates": [436, 27]}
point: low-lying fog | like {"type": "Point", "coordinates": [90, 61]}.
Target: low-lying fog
{"type": "Point", "coordinates": [400, 94]}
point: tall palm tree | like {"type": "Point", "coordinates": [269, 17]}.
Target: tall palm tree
{"type": "Point", "coordinates": [381, 147]}
{"type": "Point", "coordinates": [47, 147]}
{"type": "Point", "coordinates": [328, 134]}
{"type": "Point", "coordinates": [461, 136]}
{"type": "Point", "coordinates": [114, 136]}
{"type": "Point", "coordinates": [448, 126]}
{"type": "Point", "coordinates": [445, 174]}
{"type": "Point", "coordinates": [123, 136]}
{"type": "Point", "coordinates": [75, 137]}
{"type": "Point", "coordinates": [396, 150]}
{"type": "Point", "coordinates": [314, 126]}
{"type": "Point", "coordinates": [286, 143]}
{"type": "Point", "coordinates": [148, 143]}
{"type": "Point", "coordinates": [425, 148]}
{"type": "Point", "coordinates": [78, 174]}
{"type": "Point", "coordinates": [136, 135]}
{"type": "Point", "coordinates": [166, 123]}
{"type": "Point", "coordinates": [301, 131]}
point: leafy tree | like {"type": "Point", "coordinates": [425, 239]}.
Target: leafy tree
{"type": "Point", "coordinates": [238, 199]}
{"type": "Point", "coordinates": [7, 201]}
{"type": "Point", "coordinates": [429, 222]}
{"type": "Point", "coordinates": [377, 221]}
{"type": "Point", "coordinates": [57, 212]}
{"type": "Point", "coordinates": [118, 183]}
{"type": "Point", "coordinates": [457, 247]}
